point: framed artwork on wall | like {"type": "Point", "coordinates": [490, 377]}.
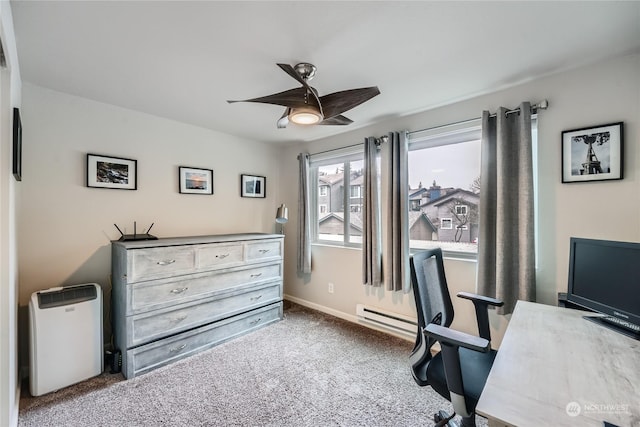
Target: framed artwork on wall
{"type": "Point", "coordinates": [195, 180]}
{"type": "Point", "coordinates": [111, 172]}
{"type": "Point", "coordinates": [593, 154]}
{"type": "Point", "coordinates": [17, 145]}
{"type": "Point", "coordinates": [253, 186]}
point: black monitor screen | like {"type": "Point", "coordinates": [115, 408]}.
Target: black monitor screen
{"type": "Point", "coordinates": [605, 276]}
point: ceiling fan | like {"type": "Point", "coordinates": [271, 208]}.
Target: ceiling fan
{"type": "Point", "coordinates": [304, 106]}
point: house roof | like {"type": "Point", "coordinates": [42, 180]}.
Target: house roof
{"type": "Point", "coordinates": [457, 193]}
{"type": "Point", "coordinates": [420, 216]}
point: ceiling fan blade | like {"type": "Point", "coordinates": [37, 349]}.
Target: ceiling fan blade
{"type": "Point", "coordinates": [292, 72]}
{"type": "Point", "coordinates": [336, 120]}
{"type": "Point", "coordinates": [283, 121]}
{"type": "Point", "coordinates": [337, 103]}
{"type": "Point", "coordinates": [291, 98]}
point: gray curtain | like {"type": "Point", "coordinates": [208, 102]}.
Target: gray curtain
{"type": "Point", "coordinates": [304, 219]}
{"type": "Point", "coordinates": [371, 238]}
{"type": "Point", "coordinates": [396, 262]}
{"type": "Point", "coordinates": [506, 257]}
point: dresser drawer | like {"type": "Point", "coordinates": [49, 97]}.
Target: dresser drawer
{"type": "Point", "coordinates": [264, 250]}
{"type": "Point", "coordinates": [149, 326]}
{"type": "Point", "coordinates": [147, 296]}
{"type": "Point", "coordinates": [147, 357]}
{"type": "Point", "coordinates": [151, 263]}
{"type": "Point", "coordinates": [216, 256]}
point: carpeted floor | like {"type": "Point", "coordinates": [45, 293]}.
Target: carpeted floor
{"type": "Point", "coordinates": [310, 369]}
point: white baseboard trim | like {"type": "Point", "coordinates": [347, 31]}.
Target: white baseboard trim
{"type": "Point", "coordinates": [342, 315]}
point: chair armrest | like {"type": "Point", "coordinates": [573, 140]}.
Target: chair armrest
{"type": "Point", "coordinates": [450, 342]}
{"type": "Point", "coordinates": [481, 298]}
{"type": "Point", "coordinates": [481, 304]}
{"type": "Point", "coordinates": [447, 336]}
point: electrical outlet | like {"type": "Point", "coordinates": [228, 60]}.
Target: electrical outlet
{"type": "Point", "coordinates": [330, 287]}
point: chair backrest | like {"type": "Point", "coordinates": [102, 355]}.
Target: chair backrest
{"type": "Point", "coordinates": [430, 289]}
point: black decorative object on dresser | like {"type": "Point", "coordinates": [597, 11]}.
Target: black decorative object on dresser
{"type": "Point", "coordinates": [174, 297]}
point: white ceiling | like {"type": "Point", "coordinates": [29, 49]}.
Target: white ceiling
{"type": "Point", "coordinates": [182, 60]}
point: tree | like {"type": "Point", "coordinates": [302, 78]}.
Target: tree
{"type": "Point", "coordinates": [465, 213]}
{"type": "Point", "coordinates": [475, 185]}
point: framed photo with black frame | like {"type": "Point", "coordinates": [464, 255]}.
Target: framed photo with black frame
{"type": "Point", "coordinates": [593, 154]}
{"type": "Point", "coordinates": [112, 172]}
{"type": "Point", "coordinates": [17, 145]}
{"type": "Point", "coordinates": [253, 186]}
{"type": "Point", "coordinates": [195, 180]}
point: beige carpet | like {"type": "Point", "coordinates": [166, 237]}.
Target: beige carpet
{"type": "Point", "coordinates": [310, 369]}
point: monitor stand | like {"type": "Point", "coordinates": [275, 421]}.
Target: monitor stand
{"type": "Point", "coordinates": [612, 323]}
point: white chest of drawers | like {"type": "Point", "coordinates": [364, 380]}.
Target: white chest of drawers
{"type": "Point", "coordinates": [174, 297]}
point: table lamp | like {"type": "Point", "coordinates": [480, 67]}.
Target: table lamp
{"type": "Point", "coordinates": [282, 216]}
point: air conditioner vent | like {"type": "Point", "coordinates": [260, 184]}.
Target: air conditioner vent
{"type": "Point", "coordinates": [66, 296]}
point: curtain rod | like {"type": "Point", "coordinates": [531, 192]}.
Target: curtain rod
{"type": "Point", "coordinates": [378, 141]}
{"type": "Point", "coordinates": [542, 105]}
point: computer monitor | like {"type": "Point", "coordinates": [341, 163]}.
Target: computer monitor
{"type": "Point", "coordinates": [604, 276]}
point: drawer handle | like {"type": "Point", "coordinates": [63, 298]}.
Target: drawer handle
{"type": "Point", "coordinates": [222, 256]}
{"type": "Point", "coordinates": [256, 275]}
{"type": "Point", "coordinates": [181, 318]}
{"type": "Point", "coordinates": [179, 290]}
{"type": "Point", "coordinates": [253, 322]}
{"type": "Point", "coordinates": [264, 251]}
{"type": "Point", "coordinates": [176, 349]}
{"type": "Point", "coordinates": [166, 262]}
{"type": "Point", "coordinates": [256, 298]}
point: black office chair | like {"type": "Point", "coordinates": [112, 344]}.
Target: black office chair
{"type": "Point", "coordinates": [459, 371]}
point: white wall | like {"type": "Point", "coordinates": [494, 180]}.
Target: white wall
{"type": "Point", "coordinates": [65, 227]}
{"type": "Point", "coordinates": [597, 94]}
{"type": "Point", "coordinates": [9, 195]}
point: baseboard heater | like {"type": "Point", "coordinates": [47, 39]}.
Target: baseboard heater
{"type": "Point", "coordinates": [392, 322]}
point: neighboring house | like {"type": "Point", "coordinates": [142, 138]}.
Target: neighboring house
{"type": "Point", "coordinates": [330, 193]}
{"type": "Point", "coordinates": [421, 227]}
{"type": "Point", "coordinates": [455, 215]}
{"type": "Point", "coordinates": [333, 224]}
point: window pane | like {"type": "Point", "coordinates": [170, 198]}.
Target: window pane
{"type": "Point", "coordinates": [331, 202]}
{"type": "Point", "coordinates": [444, 196]}
{"type": "Point", "coordinates": [356, 182]}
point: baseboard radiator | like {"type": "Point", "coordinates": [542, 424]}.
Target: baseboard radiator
{"type": "Point", "coordinates": [398, 324]}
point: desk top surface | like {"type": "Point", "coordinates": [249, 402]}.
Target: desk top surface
{"type": "Point", "coordinates": [556, 368]}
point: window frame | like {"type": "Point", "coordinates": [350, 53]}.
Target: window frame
{"type": "Point", "coordinates": [449, 220]}
{"type": "Point", "coordinates": [466, 131]}
{"type": "Point", "coordinates": [344, 156]}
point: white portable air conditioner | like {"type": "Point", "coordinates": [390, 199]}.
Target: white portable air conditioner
{"type": "Point", "coordinates": [65, 336]}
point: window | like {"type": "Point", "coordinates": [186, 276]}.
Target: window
{"type": "Point", "coordinates": [461, 210]}
{"type": "Point", "coordinates": [444, 181]}
{"type": "Point", "coordinates": [338, 177]}
{"type": "Point", "coordinates": [446, 224]}
{"type": "Point", "coordinates": [444, 175]}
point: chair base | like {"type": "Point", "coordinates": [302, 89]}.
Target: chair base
{"type": "Point", "coordinates": [443, 419]}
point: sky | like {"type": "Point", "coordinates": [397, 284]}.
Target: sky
{"type": "Point", "coordinates": [455, 165]}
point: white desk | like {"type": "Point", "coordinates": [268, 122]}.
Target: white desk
{"type": "Point", "coordinates": [551, 357]}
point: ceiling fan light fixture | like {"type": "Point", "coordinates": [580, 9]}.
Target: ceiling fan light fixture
{"type": "Point", "coordinates": [305, 116]}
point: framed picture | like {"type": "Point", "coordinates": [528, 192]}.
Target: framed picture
{"type": "Point", "coordinates": [253, 186]}
{"type": "Point", "coordinates": [111, 172]}
{"type": "Point", "coordinates": [17, 145]}
{"type": "Point", "coordinates": [592, 154]}
{"type": "Point", "coordinates": [195, 180]}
